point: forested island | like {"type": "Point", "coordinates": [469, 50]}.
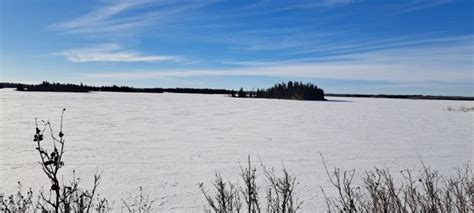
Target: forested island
{"type": "Point", "coordinates": [291, 90]}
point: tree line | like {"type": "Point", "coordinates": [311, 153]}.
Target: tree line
{"type": "Point", "coordinates": [46, 86]}
{"type": "Point", "coordinates": [427, 97]}
{"type": "Point", "coordinates": [290, 90]}
{"type": "Point", "coordinates": [53, 87]}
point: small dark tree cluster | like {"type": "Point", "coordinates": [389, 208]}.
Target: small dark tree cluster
{"type": "Point", "coordinates": [291, 90]}
{"type": "Point", "coordinates": [53, 87]}
{"type": "Point", "coordinates": [198, 91]}
{"type": "Point", "coordinates": [227, 197]}
{"type": "Point", "coordinates": [8, 85]}
{"type": "Point", "coordinates": [116, 88]}
{"type": "Point", "coordinates": [241, 93]}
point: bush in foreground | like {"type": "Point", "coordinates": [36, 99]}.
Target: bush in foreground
{"type": "Point", "coordinates": [227, 197]}
{"type": "Point", "coordinates": [379, 192]}
{"type": "Point", "coordinates": [63, 196]}
{"type": "Point", "coordinates": [426, 192]}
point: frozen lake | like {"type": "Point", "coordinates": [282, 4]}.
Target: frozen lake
{"type": "Point", "coordinates": [168, 143]}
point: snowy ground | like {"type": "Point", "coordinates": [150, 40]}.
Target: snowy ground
{"type": "Point", "coordinates": [168, 143]}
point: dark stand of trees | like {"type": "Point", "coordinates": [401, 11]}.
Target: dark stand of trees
{"type": "Point", "coordinates": [116, 88]}
{"type": "Point", "coordinates": [58, 87]}
{"type": "Point", "coordinates": [291, 90]}
{"type": "Point", "coordinates": [198, 91]}
{"type": "Point", "coordinates": [8, 85]}
{"type": "Point", "coordinates": [426, 97]}
{"type": "Point", "coordinates": [53, 87]}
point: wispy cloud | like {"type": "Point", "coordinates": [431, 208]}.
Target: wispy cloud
{"type": "Point", "coordinates": [279, 6]}
{"type": "Point", "coordinates": [102, 17]}
{"type": "Point", "coordinates": [448, 63]}
{"type": "Point", "coordinates": [123, 15]}
{"type": "Point", "coordinates": [262, 38]}
{"type": "Point", "coordinates": [112, 53]}
{"type": "Point", "coordinates": [421, 4]}
{"type": "Point", "coordinates": [385, 43]}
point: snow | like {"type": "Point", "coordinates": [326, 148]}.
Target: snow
{"type": "Point", "coordinates": [169, 143]}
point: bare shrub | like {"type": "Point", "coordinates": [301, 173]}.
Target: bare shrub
{"type": "Point", "coordinates": [229, 199]}
{"type": "Point", "coordinates": [225, 198]}
{"type": "Point", "coordinates": [139, 204]}
{"type": "Point", "coordinates": [460, 109]}
{"type": "Point", "coordinates": [60, 196]}
{"type": "Point", "coordinates": [280, 193]}
{"type": "Point", "coordinates": [348, 195]}
{"type": "Point", "coordinates": [428, 192]}
{"type": "Point", "coordinates": [19, 202]}
{"type": "Point", "coordinates": [250, 189]}
{"type": "Point", "coordinates": [80, 200]}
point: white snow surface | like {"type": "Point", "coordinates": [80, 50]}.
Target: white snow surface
{"type": "Point", "coordinates": [169, 143]}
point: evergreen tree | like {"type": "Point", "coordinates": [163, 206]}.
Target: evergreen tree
{"type": "Point", "coordinates": [292, 90]}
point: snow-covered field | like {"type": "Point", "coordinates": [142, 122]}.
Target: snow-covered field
{"type": "Point", "coordinates": [168, 143]}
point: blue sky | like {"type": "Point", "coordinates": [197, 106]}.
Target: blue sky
{"type": "Point", "coordinates": [343, 46]}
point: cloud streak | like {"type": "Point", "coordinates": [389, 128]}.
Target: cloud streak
{"type": "Point", "coordinates": [279, 6]}
{"type": "Point", "coordinates": [124, 15]}
{"type": "Point", "coordinates": [448, 63]}
{"type": "Point", "coordinates": [112, 53]}
{"type": "Point", "coordinates": [421, 4]}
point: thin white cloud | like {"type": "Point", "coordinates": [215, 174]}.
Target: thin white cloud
{"type": "Point", "coordinates": [278, 6]}
{"type": "Point", "coordinates": [112, 53]}
{"type": "Point", "coordinates": [337, 71]}
{"type": "Point", "coordinates": [102, 17]}
{"type": "Point", "coordinates": [318, 4]}
{"type": "Point", "coordinates": [382, 44]}
{"type": "Point", "coordinates": [421, 4]}
{"type": "Point", "coordinates": [123, 15]}
{"type": "Point", "coordinates": [448, 63]}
